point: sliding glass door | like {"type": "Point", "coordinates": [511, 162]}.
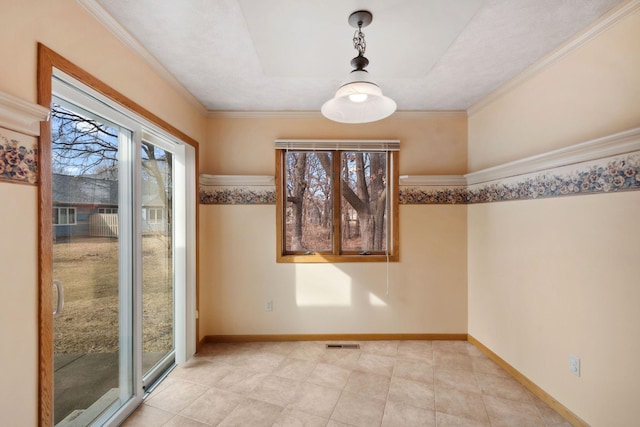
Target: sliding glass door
{"type": "Point", "coordinates": [119, 257]}
{"type": "Point", "coordinates": [92, 339]}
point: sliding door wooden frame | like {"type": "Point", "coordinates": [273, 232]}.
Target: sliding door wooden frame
{"type": "Point", "coordinates": [47, 61]}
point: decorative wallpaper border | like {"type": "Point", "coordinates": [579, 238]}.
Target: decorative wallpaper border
{"type": "Point", "coordinates": [603, 165]}
{"type": "Point", "coordinates": [237, 190]}
{"type": "Point", "coordinates": [237, 196]}
{"type": "Point", "coordinates": [612, 174]}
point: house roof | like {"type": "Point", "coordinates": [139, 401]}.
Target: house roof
{"type": "Point", "coordinates": [82, 190]}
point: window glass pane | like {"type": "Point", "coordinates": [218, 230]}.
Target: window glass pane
{"type": "Point", "coordinates": [63, 216]}
{"type": "Point", "coordinates": [56, 216]}
{"type": "Point", "coordinates": [308, 210]}
{"type": "Point", "coordinates": [72, 215]}
{"type": "Point", "coordinates": [157, 256]}
{"type": "Point", "coordinates": [363, 219]}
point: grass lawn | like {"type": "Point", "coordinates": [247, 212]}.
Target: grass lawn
{"type": "Point", "coordinates": [88, 270]}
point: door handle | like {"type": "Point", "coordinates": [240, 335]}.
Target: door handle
{"type": "Point", "coordinates": [60, 305]}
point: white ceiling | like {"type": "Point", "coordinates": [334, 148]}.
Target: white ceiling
{"type": "Point", "coordinates": [290, 55]}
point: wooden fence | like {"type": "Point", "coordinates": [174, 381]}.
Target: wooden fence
{"type": "Point", "coordinates": [103, 225]}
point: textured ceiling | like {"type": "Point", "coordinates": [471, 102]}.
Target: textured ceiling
{"type": "Point", "coordinates": [289, 55]}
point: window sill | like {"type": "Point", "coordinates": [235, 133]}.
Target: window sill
{"type": "Point", "coordinates": [320, 258]}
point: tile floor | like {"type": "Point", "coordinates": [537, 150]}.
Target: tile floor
{"type": "Point", "coordinates": [384, 383]}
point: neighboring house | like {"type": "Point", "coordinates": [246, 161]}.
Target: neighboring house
{"type": "Point", "coordinates": [85, 206]}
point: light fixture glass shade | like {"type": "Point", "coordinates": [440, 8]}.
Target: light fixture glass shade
{"type": "Point", "coordinates": [358, 101]}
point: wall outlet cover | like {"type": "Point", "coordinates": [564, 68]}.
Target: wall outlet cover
{"type": "Point", "coordinates": [574, 365]}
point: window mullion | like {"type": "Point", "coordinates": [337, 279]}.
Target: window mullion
{"type": "Point", "coordinates": [337, 209]}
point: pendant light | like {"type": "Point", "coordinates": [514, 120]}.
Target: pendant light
{"type": "Point", "coordinates": [359, 100]}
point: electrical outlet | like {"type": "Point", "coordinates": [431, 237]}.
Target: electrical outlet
{"type": "Point", "coordinates": [268, 305]}
{"type": "Point", "coordinates": [574, 365]}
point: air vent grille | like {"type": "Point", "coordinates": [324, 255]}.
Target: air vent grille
{"type": "Point", "coordinates": [350, 346]}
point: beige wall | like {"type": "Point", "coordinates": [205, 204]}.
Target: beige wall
{"type": "Point", "coordinates": [66, 28]}
{"type": "Point", "coordinates": [18, 304]}
{"type": "Point", "coordinates": [431, 143]}
{"type": "Point", "coordinates": [427, 288]}
{"type": "Point", "coordinates": [550, 278]}
{"type": "Point", "coordinates": [592, 92]}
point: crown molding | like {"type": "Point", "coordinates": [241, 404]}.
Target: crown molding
{"type": "Point", "coordinates": [611, 145]}
{"type": "Point", "coordinates": [215, 114]}
{"type": "Point", "coordinates": [433, 181]}
{"type": "Point", "coordinates": [21, 116]}
{"type": "Point", "coordinates": [102, 16]}
{"type": "Point", "coordinates": [237, 180]}
{"type": "Point", "coordinates": [603, 24]}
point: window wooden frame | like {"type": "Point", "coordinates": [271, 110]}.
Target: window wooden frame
{"type": "Point", "coordinates": [337, 254]}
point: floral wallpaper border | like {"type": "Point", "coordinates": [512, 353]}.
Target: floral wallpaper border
{"type": "Point", "coordinates": [612, 174]}
{"type": "Point", "coordinates": [237, 195]}
{"type": "Point", "coordinates": [608, 175]}
{"type": "Point", "coordinates": [18, 157]}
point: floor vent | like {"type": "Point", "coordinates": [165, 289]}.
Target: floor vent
{"type": "Point", "coordinates": [352, 346]}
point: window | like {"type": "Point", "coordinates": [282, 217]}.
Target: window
{"type": "Point", "coordinates": [154, 215]}
{"type": "Point", "coordinates": [108, 210]}
{"type": "Point", "coordinates": [64, 216]}
{"type": "Point", "coordinates": [337, 201]}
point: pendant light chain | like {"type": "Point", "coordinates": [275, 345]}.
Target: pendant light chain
{"type": "Point", "coordinates": [358, 40]}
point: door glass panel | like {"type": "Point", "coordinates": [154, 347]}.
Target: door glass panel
{"type": "Point", "coordinates": [92, 362]}
{"type": "Point", "coordinates": [157, 259]}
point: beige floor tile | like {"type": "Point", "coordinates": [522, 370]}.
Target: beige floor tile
{"type": "Point", "coordinates": [451, 360]}
{"type": "Point", "coordinates": [503, 387]}
{"type": "Point", "coordinates": [261, 361]}
{"type": "Point", "coordinates": [400, 414]}
{"type": "Point", "coordinates": [358, 410]}
{"type": "Point", "coordinates": [290, 418]}
{"type": "Point", "coordinates": [488, 366]}
{"type": "Point", "coordinates": [461, 404]}
{"type": "Point", "coordinates": [457, 379]}
{"type": "Point", "coordinates": [309, 350]}
{"type": "Point", "coordinates": [202, 371]}
{"type": "Point", "coordinates": [383, 348]}
{"type": "Point", "coordinates": [414, 370]}
{"type": "Point", "coordinates": [446, 420]}
{"type": "Point", "coordinates": [329, 375]}
{"type": "Point", "coordinates": [180, 421]}
{"type": "Point", "coordinates": [177, 397]}
{"type": "Point", "coordinates": [295, 369]}
{"type": "Point", "coordinates": [275, 390]}
{"type": "Point", "coordinates": [148, 416]}
{"type": "Point", "coordinates": [252, 413]}
{"type": "Point", "coordinates": [451, 346]}
{"type": "Point", "coordinates": [283, 348]}
{"type": "Point", "coordinates": [376, 364]}
{"type": "Point", "coordinates": [212, 407]}
{"type": "Point", "coordinates": [403, 383]}
{"type": "Point", "coordinates": [344, 358]}
{"type": "Point", "coordinates": [416, 350]}
{"type": "Point", "coordinates": [334, 423]}
{"type": "Point", "coordinates": [474, 351]}
{"type": "Point", "coordinates": [509, 413]}
{"type": "Point", "coordinates": [550, 417]}
{"type": "Point", "coordinates": [413, 393]}
{"type": "Point", "coordinates": [367, 384]}
{"type": "Point", "coordinates": [315, 399]}
{"type": "Point", "coordinates": [240, 380]}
